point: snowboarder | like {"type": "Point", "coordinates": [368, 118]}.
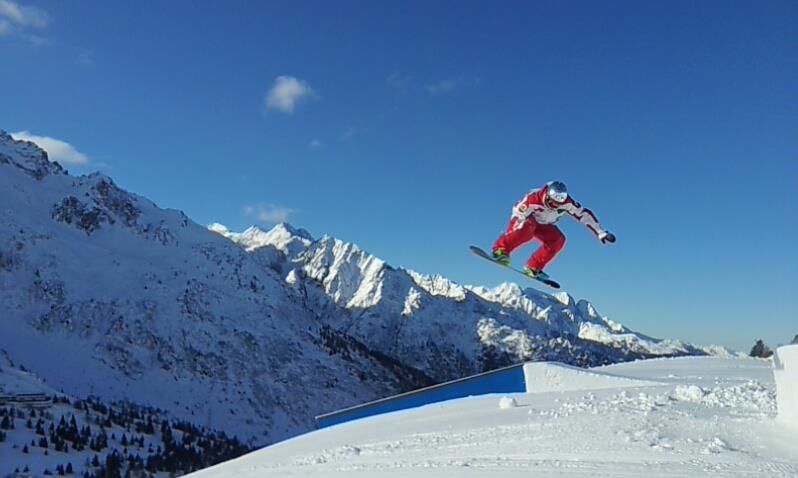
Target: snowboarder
{"type": "Point", "coordinates": [534, 217]}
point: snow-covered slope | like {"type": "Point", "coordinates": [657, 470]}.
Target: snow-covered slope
{"type": "Point", "coordinates": [707, 417]}
{"type": "Point", "coordinates": [106, 294]}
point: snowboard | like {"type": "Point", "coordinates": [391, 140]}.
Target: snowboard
{"type": "Point", "coordinates": [479, 252]}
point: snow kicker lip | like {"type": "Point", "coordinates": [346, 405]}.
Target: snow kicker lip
{"type": "Point", "coordinates": [543, 377]}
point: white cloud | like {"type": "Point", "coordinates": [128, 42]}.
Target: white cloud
{"type": "Point", "coordinates": [287, 92]}
{"type": "Point", "coordinates": [316, 144]}
{"type": "Point", "coordinates": [36, 39]}
{"type": "Point", "coordinates": [448, 85]}
{"type": "Point", "coordinates": [18, 20]}
{"type": "Point", "coordinates": [57, 150]}
{"type": "Point", "coordinates": [268, 213]}
{"type": "Point", "coordinates": [86, 58]}
{"type": "Point", "coordinates": [24, 15]}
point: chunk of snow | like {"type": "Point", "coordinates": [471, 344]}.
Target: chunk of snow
{"type": "Point", "coordinates": [507, 402]}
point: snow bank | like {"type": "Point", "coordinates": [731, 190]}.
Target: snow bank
{"type": "Point", "coordinates": [785, 372]}
{"type": "Point", "coordinates": [542, 377]}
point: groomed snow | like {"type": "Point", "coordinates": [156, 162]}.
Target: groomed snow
{"type": "Point", "coordinates": [703, 417]}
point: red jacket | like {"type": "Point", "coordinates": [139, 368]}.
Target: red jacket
{"type": "Point", "coordinates": [533, 207]}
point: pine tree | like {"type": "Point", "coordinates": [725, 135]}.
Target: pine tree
{"type": "Point", "coordinates": [795, 339]}
{"type": "Point", "coordinates": [113, 465]}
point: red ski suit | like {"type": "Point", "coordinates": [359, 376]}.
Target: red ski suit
{"type": "Point", "coordinates": [533, 218]}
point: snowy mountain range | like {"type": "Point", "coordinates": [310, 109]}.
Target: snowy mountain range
{"type": "Point", "coordinates": [103, 293]}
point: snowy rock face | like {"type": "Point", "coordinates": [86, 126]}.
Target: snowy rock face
{"type": "Point", "coordinates": [785, 372]}
{"type": "Point", "coordinates": [253, 333]}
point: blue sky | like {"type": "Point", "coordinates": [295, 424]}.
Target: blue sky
{"type": "Point", "coordinates": [410, 128]}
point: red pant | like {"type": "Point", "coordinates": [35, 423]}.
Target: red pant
{"type": "Point", "coordinates": [551, 238]}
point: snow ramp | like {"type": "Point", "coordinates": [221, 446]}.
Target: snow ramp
{"type": "Point", "coordinates": [530, 377]}
{"type": "Point", "coordinates": [543, 377]}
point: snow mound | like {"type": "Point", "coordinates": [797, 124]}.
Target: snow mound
{"type": "Point", "coordinates": [785, 372]}
{"type": "Point", "coordinates": [507, 402]}
{"type": "Point", "coordinates": [542, 377]}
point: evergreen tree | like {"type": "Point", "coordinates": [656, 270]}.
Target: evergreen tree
{"type": "Point", "coordinates": [113, 465]}
{"type": "Point", "coordinates": [795, 339]}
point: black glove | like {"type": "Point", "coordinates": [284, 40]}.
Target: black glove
{"type": "Point", "coordinates": [609, 238]}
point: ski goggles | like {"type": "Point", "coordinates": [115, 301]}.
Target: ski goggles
{"type": "Point", "coordinates": [558, 196]}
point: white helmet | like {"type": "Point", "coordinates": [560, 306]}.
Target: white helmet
{"type": "Point", "coordinates": [557, 192]}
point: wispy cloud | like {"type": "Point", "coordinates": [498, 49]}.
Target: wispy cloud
{"type": "Point", "coordinates": [19, 19]}
{"type": "Point", "coordinates": [86, 58]}
{"type": "Point", "coordinates": [400, 82]}
{"type": "Point", "coordinates": [316, 144]}
{"type": "Point", "coordinates": [349, 134]}
{"type": "Point", "coordinates": [268, 213]}
{"type": "Point", "coordinates": [57, 150]}
{"type": "Point", "coordinates": [287, 92]}
{"type": "Point", "coordinates": [24, 15]}
{"type": "Point", "coordinates": [450, 84]}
